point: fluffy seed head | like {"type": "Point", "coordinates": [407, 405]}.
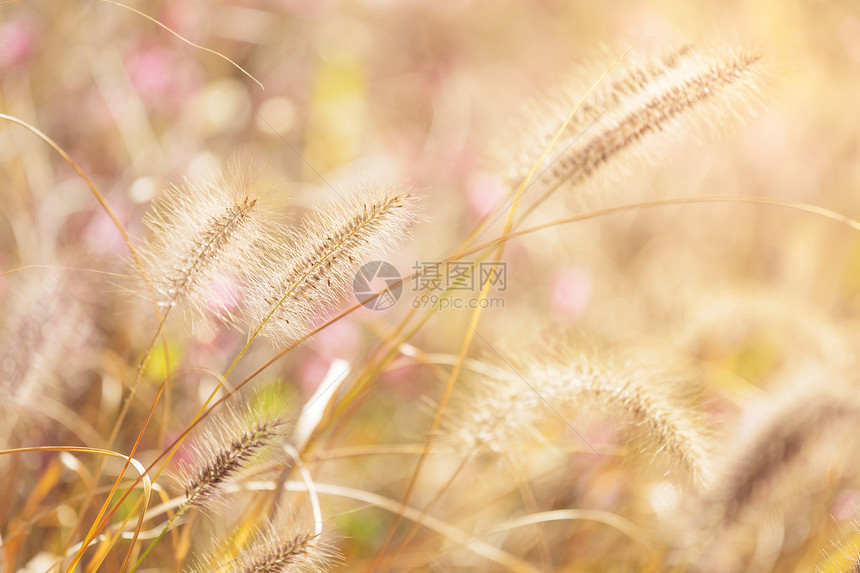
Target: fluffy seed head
{"type": "Point", "coordinates": [226, 448]}
{"type": "Point", "coordinates": [512, 405]}
{"type": "Point", "coordinates": [771, 470]}
{"type": "Point", "coordinates": [778, 448]}
{"type": "Point", "coordinates": [296, 283]}
{"type": "Point", "coordinates": [274, 552]}
{"type": "Point", "coordinates": [276, 548]}
{"type": "Point", "coordinates": [201, 236]}
{"type": "Point", "coordinates": [669, 96]}
{"type": "Point", "coordinates": [542, 118]}
{"type": "Point", "coordinates": [43, 324]}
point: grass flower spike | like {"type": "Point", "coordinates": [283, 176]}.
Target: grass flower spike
{"type": "Point", "coordinates": [297, 282]}
{"type": "Point", "coordinates": [619, 351]}
{"type": "Point", "coordinates": [797, 440]}
{"type": "Point", "coordinates": [273, 551]}
{"type": "Point", "coordinates": [225, 449]}
{"type": "Point", "coordinates": [278, 547]}
{"type": "Point", "coordinates": [511, 407]}
{"type": "Point", "coordinates": [669, 97]}
{"type": "Point", "coordinates": [44, 323]}
{"type": "Point", "coordinates": [201, 236]}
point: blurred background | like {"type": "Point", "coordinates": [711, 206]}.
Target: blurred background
{"type": "Point", "coordinates": [425, 91]}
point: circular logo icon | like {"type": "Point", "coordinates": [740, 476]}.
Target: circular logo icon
{"type": "Point", "coordinates": [374, 277]}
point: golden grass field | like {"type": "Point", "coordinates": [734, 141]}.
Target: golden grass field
{"type": "Point", "coordinates": [467, 285]}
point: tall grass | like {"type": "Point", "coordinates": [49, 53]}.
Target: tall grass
{"type": "Point", "coordinates": [149, 428]}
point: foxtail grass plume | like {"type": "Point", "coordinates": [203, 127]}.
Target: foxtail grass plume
{"type": "Point", "coordinates": [273, 551]}
{"type": "Point", "coordinates": [298, 282]}
{"type": "Point", "coordinates": [276, 548]}
{"type": "Point", "coordinates": [781, 444]}
{"type": "Point", "coordinates": [772, 469]}
{"type": "Point", "coordinates": [229, 445]}
{"type": "Point", "coordinates": [511, 407]}
{"type": "Point", "coordinates": [45, 324]}
{"type": "Point", "coordinates": [202, 234]}
{"type": "Point", "coordinates": [45, 319]}
{"type": "Point", "coordinates": [681, 93]}
{"type": "Point", "coordinates": [542, 118]}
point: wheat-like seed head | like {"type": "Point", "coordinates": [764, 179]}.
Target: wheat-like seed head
{"type": "Point", "coordinates": [666, 97]}
{"type": "Point", "coordinates": [44, 326]}
{"type": "Point", "coordinates": [541, 118]}
{"type": "Point", "coordinates": [203, 235]}
{"type": "Point", "coordinates": [780, 443]}
{"type": "Point", "coordinates": [44, 319]}
{"type": "Point", "coordinates": [771, 470]}
{"type": "Point", "coordinates": [278, 547]}
{"type": "Point", "coordinates": [278, 555]}
{"type": "Point", "coordinates": [295, 284]}
{"type": "Point", "coordinates": [274, 551]}
{"type": "Point", "coordinates": [229, 445]}
{"type": "Point", "coordinates": [512, 405]}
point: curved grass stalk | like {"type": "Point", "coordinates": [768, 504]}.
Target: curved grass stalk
{"type": "Point", "coordinates": [147, 482]}
{"type": "Point", "coordinates": [740, 199]}
{"type": "Point", "coordinates": [62, 268]}
{"type": "Point", "coordinates": [224, 457]}
{"type": "Point", "coordinates": [607, 518]}
{"type": "Point", "coordinates": [488, 219]}
{"type": "Point", "coordinates": [101, 199]}
{"type": "Point", "coordinates": [95, 191]}
{"type": "Point", "coordinates": [476, 315]}
{"type": "Point", "coordinates": [378, 215]}
{"type": "Point", "coordinates": [474, 544]}
{"type": "Point", "coordinates": [139, 264]}
{"type": "Point", "coordinates": [185, 40]}
{"type": "Point", "coordinates": [311, 488]}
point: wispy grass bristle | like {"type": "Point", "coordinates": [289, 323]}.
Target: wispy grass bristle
{"type": "Point", "coordinates": [297, 282]}
{"type": "Point", "coordinates": [671, 97]}
{"type": "Point", "coordinates": [543, 117]}
{"type": "Point", "coordinates": [202, 234]}
{"type": "Point", "coordinates": [273, 551]}
{"type": "Point", "coordinates": [772, 468]}
{"type": "Point", "coordinates": [639, 411]}
{"type": "Point", "coordinates": [277, 547]}
{"type": "Point", "coordinates": [45, 324]}
{"type": "Point", "coordinates": [274, 556]}
{"type": "Point", "coordinates": [795, 424]}
{"type": "Point", "coordinates": [226, 448]}
{"type": "Point", "coordinates": [513, 405]}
